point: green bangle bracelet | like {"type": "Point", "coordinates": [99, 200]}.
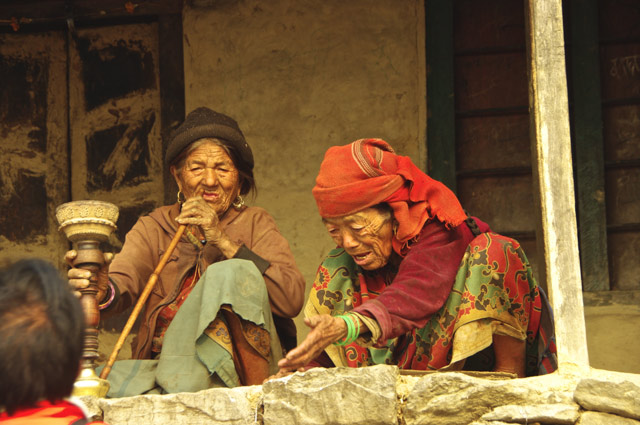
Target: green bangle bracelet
{"type": "Point", "coordinates": [352, 331]}
{"type": "Point", "coordinates": [347, 321]}
{"type": "Point", "coordinates": [357, 332]}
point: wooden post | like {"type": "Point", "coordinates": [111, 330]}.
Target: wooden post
{"type": "Point", "coordinates": [441, 143]}
{"type": "Point", "coordinates": [589, 145]}
{"type": "Point", "coordinates": [171, 71]}
{"type": "Point", "coordinates": [553, 178]}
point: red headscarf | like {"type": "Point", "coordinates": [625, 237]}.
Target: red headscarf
{"type": "Point", "coordinates": [367, 172]}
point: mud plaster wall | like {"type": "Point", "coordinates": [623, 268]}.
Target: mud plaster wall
{"type": "Point", "coordinates": [33, 131]}
{"type": "Point", "coordinates": [115, 121]}
{"type": "Point", "coordinates": [613, 334]}
{"type": "Point", "coordinates": [301, 76]}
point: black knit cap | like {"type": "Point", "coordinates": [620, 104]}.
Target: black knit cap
{"type": "Point", "coordinates": [205, 123]}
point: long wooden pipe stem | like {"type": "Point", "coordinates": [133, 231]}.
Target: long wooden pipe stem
{"type": "Point", "coordinates": [141, 301]}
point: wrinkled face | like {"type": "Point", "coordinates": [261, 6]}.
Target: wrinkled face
{"type": "Point", "coordinates": [209, 172]}
{"type": "Point", "coordinates": [366, 236]}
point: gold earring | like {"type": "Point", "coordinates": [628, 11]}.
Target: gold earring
{"type": "Point", "coordinates": [238, 203]}
{"type": "Point", "coordinates": [395, 228]}
{"type": "Point", "coordinates": [181, 201]}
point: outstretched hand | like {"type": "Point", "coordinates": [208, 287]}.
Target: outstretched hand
{"type": "Point", "coordinates": [325, 330]}
{"type": "Point", "coordinates": [282, 373]}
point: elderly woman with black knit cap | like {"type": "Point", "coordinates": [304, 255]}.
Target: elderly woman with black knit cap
{"type": "Point", "coordinates": [221, 311]}
{"type": "Point", "coordinates": [414, 281]}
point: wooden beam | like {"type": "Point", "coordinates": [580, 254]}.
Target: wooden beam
{"type": "Point", "coordinates": [553, 178]}
{"type": "Point", "coordinates": [171, 66]}
{"type": "Point", "coordinates": [441, 153]}
{"type": "Point", "coordinates": [23, 15]}
{"type": "Point", "coordinates": [589, 145]}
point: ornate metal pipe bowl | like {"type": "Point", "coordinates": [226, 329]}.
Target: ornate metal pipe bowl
{"type": "Point", "coordinates": [87, 220]}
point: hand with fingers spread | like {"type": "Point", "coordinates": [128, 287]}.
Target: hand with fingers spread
{"type": "Point", "coordinates": [79, 278]}
{"type": "Point", "coordinates": [325, 330]}
{"type": "Point", "coordinates": [283, 373]}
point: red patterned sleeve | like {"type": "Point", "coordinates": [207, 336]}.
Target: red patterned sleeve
{"type": "Point", "coordinates": [423, 282]}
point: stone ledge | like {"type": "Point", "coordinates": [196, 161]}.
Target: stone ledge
{"type": "Point", "coordinates": [383, 395]}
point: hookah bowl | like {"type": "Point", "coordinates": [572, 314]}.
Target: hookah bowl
{"type": "Point", "coordinates": [87, 224]}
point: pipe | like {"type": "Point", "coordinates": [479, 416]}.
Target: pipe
{"type": "Point", "coordinates": [140, 303]}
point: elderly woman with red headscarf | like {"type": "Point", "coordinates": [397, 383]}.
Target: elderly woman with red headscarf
{"type": "Point", "coordinates": [414, 281]}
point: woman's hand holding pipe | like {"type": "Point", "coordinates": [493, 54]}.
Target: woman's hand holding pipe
{"type": "Point", "coordinates": [196, 211]}
{"type": "Point", "coordinates": [79, 278]}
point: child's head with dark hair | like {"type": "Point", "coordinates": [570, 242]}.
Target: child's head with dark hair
{"type": "Point", "coordinates": [41, 335]}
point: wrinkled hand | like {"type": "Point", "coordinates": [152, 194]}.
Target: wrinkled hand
{"type": "Point", "coordinates": [79, 278]}
{"type": "Point", "coordinates": [282, 373]}
{"type": "Point", "coordinates": [325, 330]}
{"type": "Point", "coordinates": [198, 212]}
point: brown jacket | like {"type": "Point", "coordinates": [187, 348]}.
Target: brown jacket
{"type": "Point", "coordinates": [148, 240]}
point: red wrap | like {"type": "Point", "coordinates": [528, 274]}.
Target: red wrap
{"type": "Point", "coordinates": [367, 172]}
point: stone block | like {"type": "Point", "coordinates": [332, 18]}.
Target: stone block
{"type": "Point", "coordinates": [91, 406]}
{"type": "Point", "coordinates": [235, 406]}
{"type": "Point", "coordinates": [543, 413]}
{"type": "Point", "coordinates": [365, 396]}
{"type": "Point", "coordinates": [603, 394]}
{"type": "Point", "coordinates": [454, 398]}
{"type": "Point", "coordinates": [598, 418]}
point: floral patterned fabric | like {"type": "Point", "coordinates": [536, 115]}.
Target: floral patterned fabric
{"type": "Point", "coordinates": [169, 311]}
{"type": "Point", "coordinates": [494, 284]}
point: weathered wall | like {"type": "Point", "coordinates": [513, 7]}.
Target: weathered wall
{"type": "Point", "coordinates": [114, 98]}
{"type": "Point", "coordinates": [301, 76]}
{"type": "Point", "coordinates": [613, 334]}
{"type": "Point", "coordinates": [33, 118]}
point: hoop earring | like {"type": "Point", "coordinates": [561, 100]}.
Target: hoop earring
{"type": "Point", "coordinates": [181, 201]}
{"type": "Point", "coordinates": [238, 203]}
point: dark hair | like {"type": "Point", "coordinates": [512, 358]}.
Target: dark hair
{"type": "Point", "coordinates": [41, 335]}
{"type": "Point", "coordinates": [384, 209]}
{"type": "Point", "coordinates": [245, 172]}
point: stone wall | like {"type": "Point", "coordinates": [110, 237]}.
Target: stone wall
{"type": "Point", "coordinates": [384, 395]}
